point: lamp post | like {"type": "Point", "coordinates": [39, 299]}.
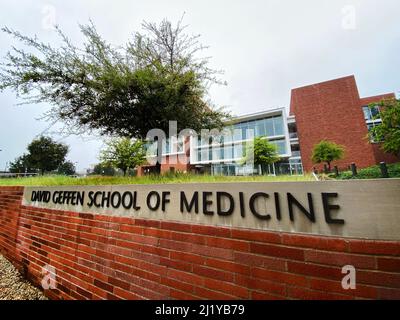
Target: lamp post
{"type": "Point", "coordinates": [76, 170]}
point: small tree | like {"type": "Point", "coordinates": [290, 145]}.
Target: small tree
{"type": "Point", "coordinates": [327, 151]}
{"type": "Point", "coordinates": [389, 130]}
{"type": "Point", "coordinates": [67, 168]}
{"type": "Point", "coordinates": [123, 153]}
{"type": "Point", "coordinates": [46, 155]}
{"type": "Point", "coordinates": [21, 165]}
{"type": "Point", "coordinates": [104, 169]}
{"type": "Point", "coordinates": [262, 153]}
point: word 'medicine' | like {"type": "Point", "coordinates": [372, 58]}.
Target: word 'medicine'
{"type": "Point", "coordinates": [207, 203]}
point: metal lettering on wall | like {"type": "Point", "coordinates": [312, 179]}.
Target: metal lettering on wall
{"type": "Point", "coordinates": [362, 209]}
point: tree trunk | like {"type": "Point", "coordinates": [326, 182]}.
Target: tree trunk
{"type": "Point", "coordinates": [158, 168]}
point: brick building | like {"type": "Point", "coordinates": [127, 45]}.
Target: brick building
{"type": "Point", "coordinates": [331, 110]}
{"type": "Point", "coordinates": [334, 111]}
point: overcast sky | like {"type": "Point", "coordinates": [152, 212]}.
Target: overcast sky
{"type": "Point", "coordinates": [266, 47]}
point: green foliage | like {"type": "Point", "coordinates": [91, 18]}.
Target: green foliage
{"type": "Point", "coordinates": [104, 170]}
{"type": "Point", "coordinates": [67, 168]}
{"type": "Point", "coordinates": [124, 91]}
{"type": "Point", "coordinates": [389, 130]}
{"type": "Point", "coordinates": [123, 153]}
{"type": "Point", "coordinates": [151, 179]}
{"type": "Point", "coordinates": [373, 172]}
{"type": "Point", "coordinates": [21, 165]}
{"type": "Point", "coordinates": [327, 151]}
{"type": "Point", "coordinates": [262, 153]}
{"type": "Point", "coordinates": [46, 155]}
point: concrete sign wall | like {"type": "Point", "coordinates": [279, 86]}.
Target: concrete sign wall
{"type": "Point", "coordinates": [358, 209]}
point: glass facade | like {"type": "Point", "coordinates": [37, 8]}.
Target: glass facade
{"type": "Point", "coordinates": [270, 127]}
{"type": "Point", "coordinates": [169, 146]}
{"type": "Point", "coordinates": [281, 145]}
{"type": "Point", "coordinates": [224, 153]}
{"type": "Point", "coordinates": [280, 168]}
{"type": "Point", "coordinates": [231, 144]}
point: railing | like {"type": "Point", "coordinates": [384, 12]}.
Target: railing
{"type": "Point", "coordinates": [16, 175]}
{"type": "Point", "coordinates": [293, 135]}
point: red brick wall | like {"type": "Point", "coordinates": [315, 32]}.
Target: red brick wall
{"type": "Point", "coordinates": [166, 167]}
{"type": "Point", "coordinates": [174, 161]}
{"type": "Point", "coordinates": [381, 156]}
{"type": "Point", "coordinates": [104, 257]}
{"type": "Point", "coordinates": [332, 111]}
{"type": "Point", "coordinates": [368, 100]}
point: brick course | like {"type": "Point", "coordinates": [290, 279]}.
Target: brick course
{"type": "Point", "coordinates": [104, 257]}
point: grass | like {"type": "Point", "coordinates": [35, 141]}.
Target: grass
{"type": "Point", "coordinates": [373, 172]}
{"type": "Point", "coordinates": [52, 180]}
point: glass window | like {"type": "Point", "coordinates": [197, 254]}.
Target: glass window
{"type": "Point", "coordinates": [374, 112]}
{"type": "Point", "coordinates": [366, 113]}
{"type": "Point", "coordinates": [371, 113]}
{"type": "Point", "coordinates": [278, 126]}
{"type": "Point", "coordinates": [204, 154]}
{"type": "Point", "coordinates": [227, 135]}
{"type": "Point", "coordinates": [176, 144]}
{"type": "Point", "coordinates": [199, 140]}
{"type": "Point", "coordinates": [244, 130]}
{"type": "Point", "coordinates": [237, 134]}
{"type": "Point", "coordinates": [281, 144]}
{"type": "Point", "coordinates": [370, 126]}
{"type": "Point", "coordinates": [216, 153]}
{"type": "Point", "coordinates": [244, 149]}
{"type": "Point", "coordinates": [166, 146]}
{"type": "Point", "coordinates": [180, 144]}
{"type": "Point", "coordinates": [228, 152]}
{"type": "Point", "coordinates": [151, 148]}
{"type": "Point", "coordinates": [215, 140]}
{"type": "Point", "coordinates": [269, 127]}
{"type": "Point", "coordinates": [295, 161]}
{"type": "Point", "coordinates": [260, 128]}
{"type": "Point", "coordinates": [252, 126]}
{"type": "Point", "coordinates": [238, 151]}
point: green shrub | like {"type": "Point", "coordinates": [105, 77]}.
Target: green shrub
{"type": "Point", "coordinates": [373, 172]}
